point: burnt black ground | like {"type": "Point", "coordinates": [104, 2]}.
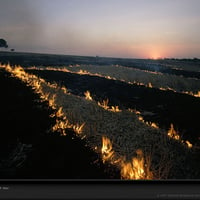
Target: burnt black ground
{"type": "Point", "coordinates": [166, 106]}
{"type": "Point", "coordinates": [29, 150]}
{"type": "Point", "coordinates": [41, 149]}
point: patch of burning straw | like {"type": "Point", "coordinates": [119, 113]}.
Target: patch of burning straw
{"type": "Point", "coordinates": [133, 141]}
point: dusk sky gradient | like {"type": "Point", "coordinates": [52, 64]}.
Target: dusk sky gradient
{"type": "Point", "coordinates": [112, 28]}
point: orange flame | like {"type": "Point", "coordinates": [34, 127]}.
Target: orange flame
{"type": "Point", "coordinates": [150, 85]}
{"type": "Point", "coordinates": [154, 125]}
{"type": "Point", "coordinates": [106, 150]}
{"type": "Point", "coordinates": [45, 96]}
{"type": "Point", "coordinates": [38, 85]}
{"type": "Point", "coordinates": [115, 109]}
{"type": "Point", "coordinates": [104, 104]}
{"type": "Point", "coordinates": [188, 144]}
{"type": "Point", "coordinates": [134, 111]}
{"type": "Point", "coordinates": [78, 128]}
{"type": "Point", "coordinates": [52, 101]}
{"type": "Point", "coordinates": [60, 126]}
{"type": "Point", "coordinates": [87, 95]}
{"type": "Point", "coordinates": [197, 94]}
{"type": "Point", "coordinates": [64, 89]}
{"type": "Point", "coordinates": [141, 118]}
{"type": "Point", "coordinates": [134, 169]}
{"type": "Point", "coordinates": [172, 133]}
{"type": "Point", "coordinates": [59, 113]}
{"type": "Point", "coordinates": [81, 71]}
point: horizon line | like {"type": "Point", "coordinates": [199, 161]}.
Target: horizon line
{"type": "Point", "coordinates": [98, 56]}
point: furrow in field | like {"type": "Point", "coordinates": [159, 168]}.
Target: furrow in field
{"type": "Point", "coordinates": [129, 143]}
{"type": "Point", "coordinates": [133, 76]}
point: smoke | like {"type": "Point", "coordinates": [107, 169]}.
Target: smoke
{"type": "Point", "coordinates": [20, 24]}
{"type": "Point", "coordinates": [38, 26]}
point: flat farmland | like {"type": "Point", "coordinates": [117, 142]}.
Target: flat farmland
{"type": "Point", "coordinates": [126, 111]}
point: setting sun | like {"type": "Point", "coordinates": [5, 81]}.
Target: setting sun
{"type": "Point", "coordinates": [155, 55]}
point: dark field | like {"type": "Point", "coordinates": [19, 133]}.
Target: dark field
{"type": "Point", "coordinates": [181, 67]}
{"type": "Point", "coordinates": [166, 106]}
{"type": "Point", "coordinates": [29, 150]}
{"type": "Point", "coordinates": [28, 147]}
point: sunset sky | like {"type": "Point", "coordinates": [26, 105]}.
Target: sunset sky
{"type": "Point", "coordinates": [113, 28]}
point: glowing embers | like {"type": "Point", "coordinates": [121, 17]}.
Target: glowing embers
{"type": "Point", "coordinates": [59, 112]}
{"type": "Point", "coordinates": [197, 94]}
{"type": "Point", "coordinates": [150, 85]}
{"type": "Point", "coordinates": [64, 89]}
{"type": "Point", "coordinates": [52, 103]}
{"type": "Point", "coordinates": [141, 118]}
{"type": "Point", "coordinates": [82, 72]}
{"type": "Point", "coordinates": [115, 109]}
{"type": "Point", "coordinates": [188, 144]}
{"type": "Point", "coordinates": [152, 124]}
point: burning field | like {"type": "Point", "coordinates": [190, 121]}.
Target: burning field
{"type": "Point", "coordinates": [110, 122]}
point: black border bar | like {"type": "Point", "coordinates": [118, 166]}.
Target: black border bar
{"type": "Point", "coordinates": [118, 190]}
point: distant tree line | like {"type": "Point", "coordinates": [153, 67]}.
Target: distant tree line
{"type": "Point", "coordinates": [183, 59]}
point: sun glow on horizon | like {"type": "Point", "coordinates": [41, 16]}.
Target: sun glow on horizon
{"type": "Point", "coordinates": [127, 29]}
{"type": "Point", "coordinates": [155, 55]}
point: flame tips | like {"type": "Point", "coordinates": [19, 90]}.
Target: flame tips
{"type": "Point", "coordinates": [150, 85]}
{"type": "Point", "coordinates": [87, 95]}
{"type": "Point", "coordinates": [78, 129]}
{"type": "Point", "coordinates": [136, 169]}
{"type": "Point", "coordinates": [188, 144]}
{"type": "Point", "coordinates": [172, 133]}
{"type": "Point", "coordinates": [64, 89]}
{"type": "Point", "coordinates": [59, 113]}
{"type": "Point", "coordinates": [106, 150]}
{"type": "Point", "coordinates": [115, 109]}
{"type": "Point", "coordinates": [104, 104]}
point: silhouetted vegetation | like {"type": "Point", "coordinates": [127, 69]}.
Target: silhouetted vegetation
{"type": "Point", "coordinates": [3, 43]}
